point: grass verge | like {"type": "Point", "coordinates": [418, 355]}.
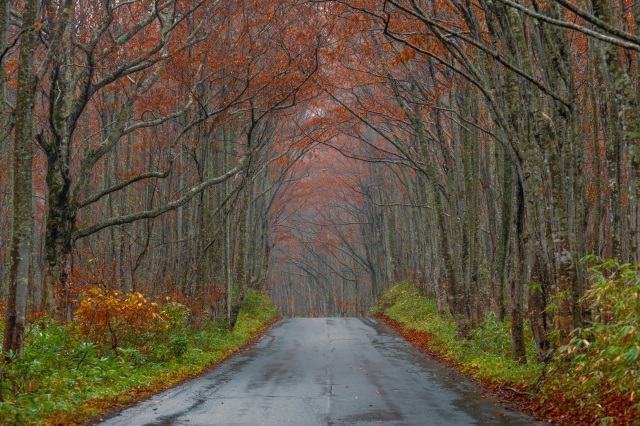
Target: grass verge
{"type": "Point", "coordinates": [62, 378]}
{"type": "Point", "coordinates": [555, 391]}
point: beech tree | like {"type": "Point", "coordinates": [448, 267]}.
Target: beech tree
{"type": "Point", "coordinates": [73, 89]}
{"type": "Point", "coordinates": [139, 119]}
{"type": "Point", "coordinates": [192, 150]}
{"type": "Point", "coordinates": [22, 207]}
{"type": "Point", "coordinates": [487, 102]}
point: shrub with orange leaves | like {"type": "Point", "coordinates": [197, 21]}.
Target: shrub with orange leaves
{"type": "Point", "coordinates": [205, 305]}
{"type": "Point", "coordinates": [112, 317]}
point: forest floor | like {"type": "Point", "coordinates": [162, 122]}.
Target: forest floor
{"type": "Point", "coordinates": [64, 377]}
{"type": "Point", "coordinates": [542, 390]}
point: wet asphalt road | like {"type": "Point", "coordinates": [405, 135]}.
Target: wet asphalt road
{"type": "Point", "coordinates": [324, 371]}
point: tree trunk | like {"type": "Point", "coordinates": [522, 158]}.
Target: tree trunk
{"type": "Point", "coordinates": [505, 232]}
{"type": "Point", "coordinates": [629, 117]}
{"type": "Point", "coordinates": [517, 292]}
{"type": "Point", "coordinates": [15, 311]}
{"type": "Point", "coordinates": [61, 218]}
{"type": "Point", "coordinates": [240, 278]}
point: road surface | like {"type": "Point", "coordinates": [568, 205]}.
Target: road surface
{"type": "Point", "coordinates": [324, 371]}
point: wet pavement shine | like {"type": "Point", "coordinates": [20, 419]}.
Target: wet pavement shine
{"type": "Point", "coordinates": [324, 371]}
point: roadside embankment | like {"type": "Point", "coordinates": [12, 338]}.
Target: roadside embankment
{"type": "Point", "coordinates": [69, 374]}
{"type": "Point", "coordinates": [564, 390]}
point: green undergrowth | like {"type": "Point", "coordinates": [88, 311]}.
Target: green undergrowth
{"type": "Point", "coordinates": [63, 377]}
{"type": "Point", "coordinates": [600, 367]}
{"type": "Point", "coordinates": [485, 355]}
{"type": "Point", "coordinates": [594, 378]}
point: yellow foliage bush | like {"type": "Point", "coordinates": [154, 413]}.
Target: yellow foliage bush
{"type": "Point", "coordinates": [115, 318]}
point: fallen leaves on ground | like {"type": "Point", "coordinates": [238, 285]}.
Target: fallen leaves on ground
{"type": "Point", "coordinates": [559, 411]}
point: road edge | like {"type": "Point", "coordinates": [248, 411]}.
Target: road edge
{"type": "Point", "coordinates": [514, 399]}
{"type": "Point", "coordinates": [143, 396]}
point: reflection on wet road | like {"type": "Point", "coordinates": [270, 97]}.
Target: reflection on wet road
{"type": "Point", "coordinates": [324, 371]}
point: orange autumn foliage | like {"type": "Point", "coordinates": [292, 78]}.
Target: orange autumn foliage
{"type": "Point", "coordinates": [113, 317]}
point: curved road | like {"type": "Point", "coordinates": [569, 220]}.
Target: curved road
{"type": "Point", "coordinates": [324, 371]}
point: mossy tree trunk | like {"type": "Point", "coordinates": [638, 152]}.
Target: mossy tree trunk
{"type": "Point", "coordinates": [22, 214]}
